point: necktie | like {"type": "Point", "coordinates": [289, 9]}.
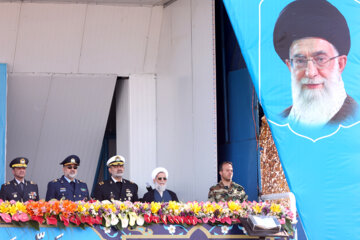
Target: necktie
{"type": "Point", "coordinates": [73, 186]}
{"type": "Point", "coordinates": [21, 189]}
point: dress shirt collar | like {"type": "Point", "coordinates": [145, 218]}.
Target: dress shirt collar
{"type": "Point", "coordinates": [68, 180]}
{"type": "Point", "coordinates": [115, 181]}
{"type": "Point", "coordinates": [18, 182]}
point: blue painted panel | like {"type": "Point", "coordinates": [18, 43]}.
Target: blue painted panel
{"type": "Point", "coordinates": [241, 150]}
{"type": "Point", "coordinates": [2, 120]}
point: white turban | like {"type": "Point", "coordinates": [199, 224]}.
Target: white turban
{"type": "Point", "coordinates": [158, 170]}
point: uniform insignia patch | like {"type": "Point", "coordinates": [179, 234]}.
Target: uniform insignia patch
{"type": "Point", "coordinates": [32, 195]}
{"type": "Point", "coordinates": [55, 180]}
{"type": "Point", "coordinates": [101, 183]}
{"type": "Point", "coordinates": [83, 189]}
{"type": "Point", "coordinates": [14, 194]}
{"type": "Point", "coordinates": [62, 189]}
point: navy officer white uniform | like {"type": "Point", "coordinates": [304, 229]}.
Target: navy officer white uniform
{"type": "Point", "coordinates": [116, 188]}
{"type": "Point", "coordinates": [67, 187]}
{"type": "Point", "coordinates": [19, 189]}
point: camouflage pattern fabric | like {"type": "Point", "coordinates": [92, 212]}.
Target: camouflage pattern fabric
{"type": "Point", "coordinates": [220, 193]}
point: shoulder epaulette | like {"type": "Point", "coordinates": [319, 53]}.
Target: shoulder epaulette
{"type": "Point", "coordinates": [101, 183]}
{"type": "Point", "coordinates": [31, 182]}
{"type": "Point", "coordinates": [7, 183]}
{"type": "Point", "coordinates": [55, 180]}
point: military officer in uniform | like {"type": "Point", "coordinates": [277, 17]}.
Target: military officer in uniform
{"type": "Point", "coordinates": [226, 190]}
{"type": "Point", "coordinates": [116, 188]}
{"type": "Point", "coordinates": [67, 187]}
{"type": "Point", "coordinates": [19, 189]}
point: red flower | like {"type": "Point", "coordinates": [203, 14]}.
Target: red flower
{"type": "Point", "coordinates": [97, 220]}
{"type": "Point", "coordinates": [155, 219]}
{"type": "Point", "coordinates": [86, 219]}
{"type": "Point", "coordinates": [39, 219]}
{"type": "Point", "coordinates": [65, 220]}
{"type": "Point", "coordinates": [163, 219]}
{"type": "Point", "coordinates": [75, 219]}
{"type": "Point", "coordinates": [194, 220]}
{"type": "Point", "coordinates": [187, 220]}
{"type": "Point", "coordinates": [171, 219]}
{"type": "Point", "coordinates": [6, 217]}
{"type": "Point", "coordinates": [147, 218]}
{"type": "Point", "coordinates": [51, 220]}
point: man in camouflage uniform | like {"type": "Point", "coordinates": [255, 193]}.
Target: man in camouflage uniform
{"type": "Point", "coordinates": [226, 189]}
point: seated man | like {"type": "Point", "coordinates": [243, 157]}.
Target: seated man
{"type": "Point", "coordinates": [19, 189]}
{"type": "Point", "coordinates": [226, 189]}
{"type": "Point", "coordinates": [67, 187]}
{"type": "Point", "coordinates": [116, 188]}
{"type": "Point", "coordinates": [160, 193]}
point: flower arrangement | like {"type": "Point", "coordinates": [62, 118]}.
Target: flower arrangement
{"type": "Point", "coordinates": [126, 214]}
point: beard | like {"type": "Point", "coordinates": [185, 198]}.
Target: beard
{"type": "Point", "coordinates": [317, 106]}
{"type": "Point", "coordinates": [117, 174]}
{"type": "Point", "coordinates": [72, 175]}
{"type": "Point", "coordinates": [160, 188]}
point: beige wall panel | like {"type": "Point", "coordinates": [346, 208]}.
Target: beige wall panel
{"type": "Point", "coordinates": [9, 15]}
{"type": "Point", "coordinates": [142, 129]}
{"type": "Point", "coordinates": [152, 46]}
{"type": "Point", "coordinates": [115, 39]}
{"type": "Point", "coordinates": [49, 37]}
{"type": "Point", "coordinates": [185, 102]}
{"type": "Point", "coordinates": [26, 107]}
{"type": "Point", "coordinates": [174, 100]}
{"type": "Point", "coordinates": [204, 95]}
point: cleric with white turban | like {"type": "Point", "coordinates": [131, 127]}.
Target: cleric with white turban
{"type": "Point", "coordinates": [160, 193]}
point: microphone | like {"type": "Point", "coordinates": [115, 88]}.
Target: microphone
{"type": "Point", "coordinates": [148, 186]}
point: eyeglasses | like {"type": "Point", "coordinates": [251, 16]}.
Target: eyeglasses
{"type": "Point", "coordinates": [320, 61]}
{"type": "Point", "coordinates": [72, 167]}
{"type": "Point", "coordinates": [161, 178]}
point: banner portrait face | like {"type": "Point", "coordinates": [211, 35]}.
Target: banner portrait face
{"type": "Point", "coordinates": [309, 66]}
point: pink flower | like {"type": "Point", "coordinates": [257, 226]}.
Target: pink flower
{"type": "Point", "coordinates": [23, 217]}
{"type": "Point", "coordinates": [5, 217]}
{"type": "Point", "coordinates": [282, 221]}
{"type": "Point", "coordinates": [205, 219]}
{"type": "Point", "coordinates": [15, 217]}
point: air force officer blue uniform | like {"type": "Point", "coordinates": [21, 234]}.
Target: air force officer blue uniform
{"type": "Point", "coordinates": [19, 190]}
{"type": "Point", "coordinates": [64, 188]}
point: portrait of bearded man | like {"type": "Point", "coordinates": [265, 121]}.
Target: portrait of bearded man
{"type": "Point", "coordinates": [313, 39]}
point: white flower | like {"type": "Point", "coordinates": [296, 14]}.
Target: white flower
{"type": "Point", "coordinates": [107, 230]}
{"type": "Point", "coordinates": [224, 229]}
{"type": "Point", "coordinates": [172, 229]}
{"type": "Point", "coordinates": [107, 221]}
{"type": "Point", "coordinates": [140, 220]}
{"type": "Point", "coordinates": [114, 219]}
{"type": "Point", "coordinates": [106, 202]}
{"type": "Point", "coordinates": [132, 217]}
{"type": "Point", "coordinates": [124, 220]}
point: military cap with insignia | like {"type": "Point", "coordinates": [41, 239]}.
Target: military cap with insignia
{"type": "Point", "coordinates": [115, 160]}
{"type": "Point", "coordinates": [72, 159]}
{"type": "Point", "coordinates": [19, 162]}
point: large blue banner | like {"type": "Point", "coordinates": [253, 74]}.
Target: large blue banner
{"type": "Point", "coordinates": [304, 59]}
{"type": "Point", "coordinates": [3, 91]}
